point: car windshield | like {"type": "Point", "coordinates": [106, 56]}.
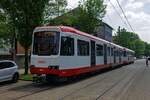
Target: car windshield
{"type": "Point", "coordinates": [46, 43]}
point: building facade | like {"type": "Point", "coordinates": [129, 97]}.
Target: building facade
{"type": "Point", "coordinates": [104, 31]}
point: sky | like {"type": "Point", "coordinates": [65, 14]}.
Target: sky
{"type": "Point", "coordinates": [137, 12]}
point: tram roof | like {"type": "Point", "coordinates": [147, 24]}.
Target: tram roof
{"type": "Point", "coordinates": [75, 31]}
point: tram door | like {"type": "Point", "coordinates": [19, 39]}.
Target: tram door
{"type": "Point", "coordinates": [93, 54]}
{"type": "Point", "coordinates": [105, 54]}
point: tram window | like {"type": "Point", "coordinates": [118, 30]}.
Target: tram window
{"type": "Point", "coordinates": [124, 53]}
{"type": "Point", "coordinates": [83, 48]}
{"type": "Point", "coordinates": [108, 50]}
{"type": "Point", "coordinates": [112, 51]}
{"type": "Point", "coordinates": [116, 53]}
{"type": "Point", "coordinates": [128, 54]}
{"type": "Point", "coordinates": [46, 43]}
{"type": "Point", "coordinates": [99, 50]}
{"type": "Point", "coordinates": [120, 53]}
{"type": "Point", "coordinates": [67, 46]}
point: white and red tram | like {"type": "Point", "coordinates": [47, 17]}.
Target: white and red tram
{"type": "Point", "coordinates": [64, 52]}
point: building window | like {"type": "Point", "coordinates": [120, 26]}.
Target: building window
{"type": "Point", "coordinates": [67, 46]}
{"type": "Point", "coordinates": [83, 48]}
{"type": "Point", "coordinates": [99, 50]}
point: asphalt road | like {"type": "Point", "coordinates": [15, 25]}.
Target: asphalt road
{"type": "Point", "coordinates": [131, 82]}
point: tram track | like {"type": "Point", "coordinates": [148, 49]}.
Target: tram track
{"type": "Point", "coordinates": [66, 95]}
{"type": "Point", "coordinates": [85, 84]}
{"type": "Point", "coordinates": [119, 81]}
{"type": "Point", "coordinates": [26, 92]}
{"type": "Point", "coordinates": [32, 93]}
{"type": "Point", "coordinates": [90, 84]}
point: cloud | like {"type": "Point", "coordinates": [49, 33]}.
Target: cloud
{"type": "Point", "coordinates": [134, 6]}
{"type": "Point", "coordinates": [135, 12]}
{"type": "Point", "coordinates": [72, 3]}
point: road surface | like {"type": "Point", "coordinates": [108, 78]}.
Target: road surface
{"type": "Point", "coordinates": [131, 82]}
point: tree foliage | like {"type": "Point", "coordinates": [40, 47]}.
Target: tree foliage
{"type": "Point", "coordinates": [5, 30]}
{"type": "Point", "coordinates": [86, 17]}
{"type": "Point", "coordinates": [54, 9]}
{"type": "Point", "coordinates": [90, 14]}
{"type": "Point", "coordinates": [139, 48]}
{"type": "Point", "coordinates": [129, 40]}
{"type": "Point", "coordinates": [147, 49]}
{"type": "Point", "coordinates": [25, 16]}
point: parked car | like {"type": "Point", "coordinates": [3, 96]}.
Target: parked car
{"type": "Point", "coordinates": [8, 71]}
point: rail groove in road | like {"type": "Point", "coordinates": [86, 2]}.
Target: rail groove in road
{"type": "Point", "coordinates": [105, 88]}
{"type": "Point", "coordinates": [119, 81]}
{"type": "Point", "coordinates": [90, 84]}
{"type": "Point", "coordinates": [64, 95]}
{"type": "Point", "coordinates": [61, 98]}
{"type": "Point", "coordinates": [32, 93]}
{"type": "Point", "coordinates": [68, 94]}
{"type": "Point", "coordinates": [31, 86]}
{"type": "Point", "coordinates": [102, 86]}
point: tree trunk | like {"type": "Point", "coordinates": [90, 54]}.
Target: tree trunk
{"type": "Point", "coordinates": [26, 63]}
{"type": "Point", "coordinates": [14, 41]}
{"type": "Point", "coordinates": [14, 47]}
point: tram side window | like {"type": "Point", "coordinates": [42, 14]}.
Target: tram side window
{"type": "Point", "coordinates": [83, 48]}
{"type": "Point", "coordinates": [124, 53]}
{"type": "Point", "coordinates": [108, 50]}
{"type": "Point", "coordinates": [99, 50]}
{"type": "Point", "coordinates": [67, 46]}
{"type": "Point", "coordinates": [112, 51]}
{"type": "Point", "coordinates": [117, 53]}
{"type": "Point", "coordinates": [120, 53]}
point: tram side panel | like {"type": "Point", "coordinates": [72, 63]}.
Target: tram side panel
{"type": "Point", "coordinates": [73, 60]}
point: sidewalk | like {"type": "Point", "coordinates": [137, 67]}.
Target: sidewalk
{"type": "Point", "coordinates": [21, 71]}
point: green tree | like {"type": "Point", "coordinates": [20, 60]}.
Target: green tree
{"type": "Point", "coordinates": [5, 30]}
{"type": "Point", "coordinates": [89, 15]}
{"type": "Point", "coordinates": [139, 48]}
{"type": "Point", "coordinates": [86, 17]}
{"type": "Point", "coordinates": [124, 38]}
{"type": "Point", "coordinates": [54, 9]}
{"type": "Point", "coordinates": [25, 15]}
{"type": "Point", "coordinates": [129, 40]}
{"type": "Point", "coordinates": [147, 49]}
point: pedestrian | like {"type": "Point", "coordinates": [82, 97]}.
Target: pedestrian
{"type": "Point", "coordinates": [147, 61]}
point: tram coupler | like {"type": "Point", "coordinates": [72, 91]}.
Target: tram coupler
{"type": "Point", "coordinates": [39, 78]}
